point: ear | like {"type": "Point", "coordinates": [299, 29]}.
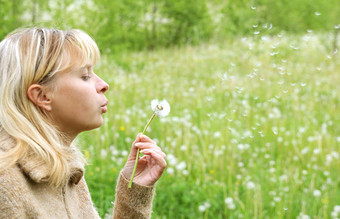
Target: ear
{"type": "Point", "coordinates": [39, 96]}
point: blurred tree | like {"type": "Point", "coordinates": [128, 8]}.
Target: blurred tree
{"type": "Point", "coordinates": [239, 16]}
{"type": "Point", "coordinates": [190, 21]}
{"type": "Point", "coordinates": [10, 11]}
{"type": "Point", "coordinates": [140, 24]}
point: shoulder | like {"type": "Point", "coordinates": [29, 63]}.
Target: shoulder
{"type": "Point", "coordinates": [12, 182]}
{"type": "Point", "coordinates": [12, 188]}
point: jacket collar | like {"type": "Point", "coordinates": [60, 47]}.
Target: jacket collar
{"type": "Point", "coordinates": [36, 169]}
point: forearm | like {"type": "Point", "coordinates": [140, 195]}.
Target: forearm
{"type": "Point", "coordinates": [135, 202]}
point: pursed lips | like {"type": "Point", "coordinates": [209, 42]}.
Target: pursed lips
{"type": "Point", "coordinates": [104, 106]}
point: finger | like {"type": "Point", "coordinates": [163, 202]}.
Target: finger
{"type": "Point", "coordinates": [155, 149]}
{"type": "Point", "coordinates": [146, 145]}
{"type": "Point", "coordinates": [157, 157]}
{"type": "Point", "coordinates": [144, 138]}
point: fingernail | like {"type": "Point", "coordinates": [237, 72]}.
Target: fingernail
{"type": "Point", "coordinates": [138, 144]}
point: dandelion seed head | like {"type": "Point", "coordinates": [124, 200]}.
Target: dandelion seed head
{"type": "Point", "coordinates": [303, 216]}
{"type": "Point", "coordinates": [103, 153]}
{"type": "Point", "coordinates": [125, 153]}
{"type": "Point", "coordinates": [201, 208]}
{"type": "Point", "coordinates": [231, 206]}
{"type": "Point", "coordinates": [317, 193]}
{"type": "Point", "coordinates": [334, 214]}
{"type": "Point", "coordinates": [277, 199]}
{"type": "Point", "coordinates": [250, 185]}
{"type": "Point", "coordinates": [305, 150]}
{"type": "Point", "coordinates": [170, 170]}
{"type": "Point", "coordinates": [171, 159]}
{"type": "Point", "coordinates": [161, 108]}
{"type": "Point", "coordinates": [181, 166]}
{"type": "Point", "coordinates": [337, 208]}
{"type": "Point", "coordinates": [229, 200]}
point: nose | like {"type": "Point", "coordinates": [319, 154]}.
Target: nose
{"type": "Point", "coordinates": [102, 86]}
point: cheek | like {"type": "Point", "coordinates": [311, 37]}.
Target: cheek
{"type": "Point", "coordinates": [79, 101]}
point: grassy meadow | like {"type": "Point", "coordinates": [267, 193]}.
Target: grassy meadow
{"type": "Point", "coordinates": [253, 132]}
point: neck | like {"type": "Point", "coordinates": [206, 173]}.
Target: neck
{"type": "Point", "coordinates": [68, 138]}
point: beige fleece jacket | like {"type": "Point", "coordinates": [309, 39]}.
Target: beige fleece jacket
{"type": "Point", "coordinates": [25, 194]}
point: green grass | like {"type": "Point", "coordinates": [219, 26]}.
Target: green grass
{"type": "Point", "coordinates": [256, 120]}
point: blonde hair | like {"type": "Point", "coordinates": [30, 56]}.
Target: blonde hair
{"type": "Point", "coordinates": [34, 56]}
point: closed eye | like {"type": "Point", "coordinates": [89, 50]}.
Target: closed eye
{"type": "Point", "coordinates": [86, 77]}
{"type": "Point", "coordinates": [87, 73]}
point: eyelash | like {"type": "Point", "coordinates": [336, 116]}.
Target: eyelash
{"type": "Point", "coordinates": [86, 77]}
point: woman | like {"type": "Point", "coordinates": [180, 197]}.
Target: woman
{"type": "Point", "coordinates": [48, 95]}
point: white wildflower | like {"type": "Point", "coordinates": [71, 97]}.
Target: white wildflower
{"type": "Point", "coordinates": [171, 159]}
{"type": "Point", "coordinates": [201, 208]}
{"type": "Point", "coordinates": [161, 108]}
{"type": "Point", "coordinates": [103, 153]}
{"type": "Point", "coordinates": [204, 207]}
{"type": "Point", "coordinates": [304, 150]}
{"type": "Point", "coordinates": [217, 134]}
{"type": "Point", "coordinates": [170, 170]}
{"type": "Point", "coordinates": [125, 153]}
{"type": "Point", "coordinates": [316, 151]}
{"type": "Point", "coordinates": [303, 216]}
{"type": "Point", "coordinates": [337, 208]}
{"type": "Point", "coordinates": [185, 172]}
{"type": "Point", "coordinates": [231, 206]}
{"type": "Point", "coordinates": [335, 155]}
{"type": "Point", "coordinates": [229, 200]}
{"type": "Point", "coordinates": [317, 193]}
{"type": "Point", "coordinates": [230, 203]}
{"type": "Point", "coordinates": [334, 214]}
{"type": "Point", "coordinates": [181, 166]}
{"type": "Point", "coordinates": [336, 211]}
{"type": "Point", "coordinates": [250, 185]}
{"type": "Point", "coordinates": [277, 199]}
{"type": "Point", "coordinates": [183, 148]}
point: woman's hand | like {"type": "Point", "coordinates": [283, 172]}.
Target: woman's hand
{"type": "Point", "coordinates": [150, 166]}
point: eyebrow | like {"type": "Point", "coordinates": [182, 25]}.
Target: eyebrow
{"type": "Point", "coordinates": [87, 66]}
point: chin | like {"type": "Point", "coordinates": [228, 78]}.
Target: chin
{"type": "Point", "coordinates": [94, 125]}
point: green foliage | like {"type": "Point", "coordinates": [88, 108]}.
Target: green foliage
{"type": "Point", "coordinates": [9, 16]}
{"type": "Point", "coordinates": [190, 21]}
{"type": "Point", "coordinates": [148, 24]}
{"type": "Point", "coordinates": [238, 17]}
{"type": "Point", "coordinates": [301, 15]}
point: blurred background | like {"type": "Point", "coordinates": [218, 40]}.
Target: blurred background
{"type": "Point", "coordinates": [148, 24]}
{"type": "Point", "coordinates": [254, 89]}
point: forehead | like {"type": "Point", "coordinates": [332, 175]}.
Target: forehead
{"type": "Point", "coordinates": [73, 58]}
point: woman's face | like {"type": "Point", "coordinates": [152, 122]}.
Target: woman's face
{"type": "Point", "coordinates": [78, 100]}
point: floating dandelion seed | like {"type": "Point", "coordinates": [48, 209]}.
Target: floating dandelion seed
{"type": "Point", "coordinates": [160, 109]}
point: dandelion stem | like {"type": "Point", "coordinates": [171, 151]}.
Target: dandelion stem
{"type": "Point", "coordinates": [137, 155]}
{"type": "Point", "coordinates": [147, 125]}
